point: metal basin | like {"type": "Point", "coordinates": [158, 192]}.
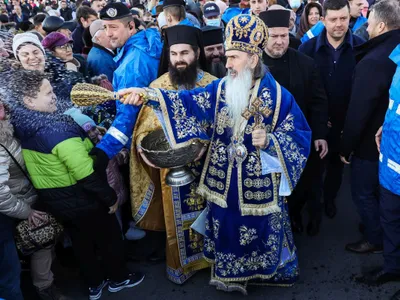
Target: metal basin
{"type": "Point", "coordinates": [158, 151]}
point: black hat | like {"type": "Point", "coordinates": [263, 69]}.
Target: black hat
{"type": "Point", "coordinates": [115, 11]}
{"type": "Point", "coordinates": [181, 34]}
{"type": "Point", "coordinates": [167, 3]}
{"type": "Point", "coordinates": [212, 35]}
{"type": "Point", "coordinates": [38, 19]}
{"type": "Point", "coordinates": [276, 18]}
{"type": "Point", "coordinates": [3, 18]}
{"type": "Point", "coordinates": [54, 23]}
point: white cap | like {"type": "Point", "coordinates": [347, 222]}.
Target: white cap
{"type": "Point", "coordinates": [26, 37]}
{"type": "Point", "coordinates": [161, 20]}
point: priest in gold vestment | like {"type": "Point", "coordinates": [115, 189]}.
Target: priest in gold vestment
{"type": "Point", "coordinates": [155, 205]}
{"type": "Point", "coordinates": [259, 142]}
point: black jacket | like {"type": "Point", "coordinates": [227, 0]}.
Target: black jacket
{"type": "Point", "coordinates": [300, 76]}
{"type": "Point", "coordinates": [66, 14]}
{"type": "Point", "coordinates": [335, 77]}
{"type": "Point", "coordinates": [370, 96]}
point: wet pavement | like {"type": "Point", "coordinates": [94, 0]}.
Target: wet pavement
{"type": "Point", "coordinates": [327, 270]}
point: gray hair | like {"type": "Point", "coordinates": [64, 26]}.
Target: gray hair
{"type": "Point", "coordinates": [260, 70]}
{"type": "Point", "coordinates": [388, 12]}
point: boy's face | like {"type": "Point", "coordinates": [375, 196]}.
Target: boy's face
{"type": "Point", "coordinates": [44, 101]}
{"type": "Point", "coordinates": [94, 135]}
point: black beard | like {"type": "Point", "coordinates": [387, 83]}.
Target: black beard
{"type": "Point", "coordinates": [186, 77]}
{"type": "Point", "coordinates": [217, 69]}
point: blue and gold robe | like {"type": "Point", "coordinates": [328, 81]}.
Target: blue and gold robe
{"type": "Point", "coordinates": [156, 206]}
{"type": "Point", "coordinates": [248, 235]}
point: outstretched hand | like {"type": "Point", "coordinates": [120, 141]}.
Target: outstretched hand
{"type": "Point", "coordinates": [132, 96]}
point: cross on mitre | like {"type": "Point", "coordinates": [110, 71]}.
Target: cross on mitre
{"type": "Point", "coordinates": [256, 110]}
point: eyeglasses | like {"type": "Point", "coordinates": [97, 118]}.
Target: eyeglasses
{"type": "Point", "coordinates": [65, 47]}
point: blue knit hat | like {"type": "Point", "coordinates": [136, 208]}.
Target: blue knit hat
{"type": "Point", "coordinates": [79, 117]}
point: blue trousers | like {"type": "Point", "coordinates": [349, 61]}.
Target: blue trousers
{"type": "Point", "coordinates": [390, 222]}
{"type": "Point", "coordinates": [10, 270]}
{"type": "Point", "coordinates": [365, 194]}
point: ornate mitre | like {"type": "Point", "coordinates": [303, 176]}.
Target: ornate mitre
{"type": "Point", "coordinates": [246, 33]}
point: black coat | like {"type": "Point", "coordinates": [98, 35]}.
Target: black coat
{"type": "Point", "coordinates": [335, 77]}
{"type": "Point", "coordinates": [300, 76]}
{"type": "Point", "coordinates": [370, 96]}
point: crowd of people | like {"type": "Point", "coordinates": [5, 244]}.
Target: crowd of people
{"type": "Point", "coordinates": [280, 94]}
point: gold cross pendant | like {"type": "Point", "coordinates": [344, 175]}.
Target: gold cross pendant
{"type": "Point", "coordinates": [257, 111]}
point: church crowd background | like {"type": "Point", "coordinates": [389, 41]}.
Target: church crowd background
{"type": "Point", "coordinates": [77, 180]}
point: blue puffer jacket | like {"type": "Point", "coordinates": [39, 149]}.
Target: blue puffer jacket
{"type": "Point", "coordinates": [389, 167]}
{"type": "Point", "coordinates": [137, 66]}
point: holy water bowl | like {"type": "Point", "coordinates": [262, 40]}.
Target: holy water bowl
{"type": "Point", "coordinates": [158, 151]}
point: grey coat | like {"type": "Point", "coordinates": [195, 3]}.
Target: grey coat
{"type": "Point", "coordinates": [16, 193]}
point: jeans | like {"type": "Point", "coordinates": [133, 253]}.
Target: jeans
{"type": "Point", "coordinates": [10, 270]}
{"type": "Point", "coordinates": [390, 222]}
{"type": "Point", "coordinates": [365, 194]}
{"type": "Point", "coordinates": [41, 260]}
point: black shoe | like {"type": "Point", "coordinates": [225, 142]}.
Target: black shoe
{"type": "Point", "coordinates": [396, 296]}
{"type": "Point", "coordinates": [377, 278]}
{"type": "Point", "coordinates": [313, 228]}
{"type": "Point", "coordinates": [51, 293]}
{"type": "Point", "coordinates": [330, 209]}
{"type": "Point", "coordinates": [133, 280]}
{"type": "Point", "coordinates": [362, 247]}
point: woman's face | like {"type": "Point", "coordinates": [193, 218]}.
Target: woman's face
{"type": "Point", "coordinates": [64, 52]}
{"type": "Point", "coordinates": [31, 58]}
{"type": "Point", "coordinates": [313, 16]}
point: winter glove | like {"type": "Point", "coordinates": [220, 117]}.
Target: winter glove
{"type": "Point", "coordinates": [101, 162]}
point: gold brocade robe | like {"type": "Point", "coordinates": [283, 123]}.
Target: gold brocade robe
{"type": "Point", "coordinates": [152, 200]}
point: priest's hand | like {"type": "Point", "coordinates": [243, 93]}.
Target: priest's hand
{"type": "Point", "coordinates": [132, 96]}
{"type": "Point", "coordinates": [140, 151]}
{"type": "Point", "coordinates": [201, 153]}
{"type": "Point", "coordinates": [259, 138]}
{"type": "Point", "coordinates": [378, 139]}
{"type": "Point", "coordinates": [321, 146]}
{"type": "Point", "coordinates": [345, 160]}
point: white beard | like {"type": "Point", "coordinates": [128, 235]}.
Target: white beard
{"type": "Point", "coordinates": [237, 96]}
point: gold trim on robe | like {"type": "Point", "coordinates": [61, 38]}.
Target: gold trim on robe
{"type": "Point", "coordinates": [151, 198]}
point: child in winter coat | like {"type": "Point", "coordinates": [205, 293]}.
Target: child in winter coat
{"type": "Point", "coordinates": [114, 176]}
{"type": "Point", "coordinates": [56, 153]}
